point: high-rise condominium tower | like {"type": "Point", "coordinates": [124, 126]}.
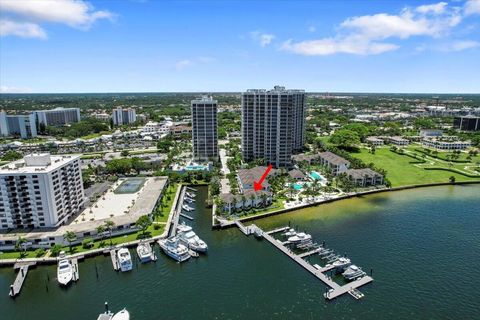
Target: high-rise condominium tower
{"type": "Point", "coordinates": [204, 129]}
{"type": "Point", "coordinates": [273, 125]}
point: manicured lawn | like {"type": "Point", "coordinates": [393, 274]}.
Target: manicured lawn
{"type": "Point", "coordinates": [167, 201]}
{"type": "Point", "coordinates": [97, 244]}
{"type": "Point", "coordinates": [401, 172]}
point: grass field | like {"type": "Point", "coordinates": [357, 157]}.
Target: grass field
{"type": "Point", "coordinates": [400, 170]}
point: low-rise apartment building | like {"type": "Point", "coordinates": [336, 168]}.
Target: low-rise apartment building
{"type": "Point", "coordinates": [364, 177]}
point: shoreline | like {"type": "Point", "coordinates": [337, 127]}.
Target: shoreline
{"type": "Point", "coordinates": [229, 224]}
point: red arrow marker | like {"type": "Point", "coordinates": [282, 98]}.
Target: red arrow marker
{"type": "Point", "coordinates": [258, 185]}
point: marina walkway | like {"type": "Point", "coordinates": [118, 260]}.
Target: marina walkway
{"type": "Point", "coordinates": [18, 283]}
{"type": "Point", "coordinates": [335, 289]}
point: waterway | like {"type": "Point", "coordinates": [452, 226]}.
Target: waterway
{"type": "Point", "coordinates": [422, 244]}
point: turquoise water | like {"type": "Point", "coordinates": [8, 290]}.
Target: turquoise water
{"type": "Point", "coordinates": [196, 168]}
{"type": "Point", "coordinates": [316, 176]}
{"type": "Point", "coordinates": [297, 186]}
{"type": "Point", "coordinates": [422, 244]}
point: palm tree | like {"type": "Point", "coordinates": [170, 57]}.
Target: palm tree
{"type": "Point", "coordinates": [100, 230]}
{"type": "Point", "coordinates": [20, 246]}
{"type": "Point", "coordinates": [110, 225]}
{"type": "Point", "coordinates": [70, 236]}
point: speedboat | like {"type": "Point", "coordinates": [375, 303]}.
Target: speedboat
{"type": "Point", "coordinates": [189, 238]}
{"type": "Point", "coordinates": [187, 207]}
{"type": "Point", "coordinates": [174, 249]}
{"type": "Point", "coordinates": [290, 232]}
{"type": "Point", "coordinates": [122, 315]}
{"type": "Point", "coordinates": [124, 259]}
{"type": "Point", "coordinates": [64, 270]}
{"type": "Point", "coordinates": [353, 272]}
{"type": "Point", "coordinates": [190, 194]}
{"type": "Point", "coordinates": [340, 264]}
{"type": "Point", "coordinates": [188, 200]}
{"type": "Point", "coordinates": [300, 238]}
{"type": "Point", "coordinates": [144, 252]}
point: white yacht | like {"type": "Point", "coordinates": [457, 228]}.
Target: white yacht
{"type": "Point", "coordinates": [353, 272]}
{"type": "Point", "coordinates": [64, 270]}
{"type": "Point", "coordinates": [300, 237]}
{"type": "Point", "coordinates": [124, 259]}
{"type": "Point", "coordinates": [340, 264]}
{"type": "Point", "coordinates": [144, 252]}
{"type": "Point", "coordinates": [122, 315]}
{"type": "Point", "coordinates": [174, 249]}
{"type": "Point", "coordinates": [187, 207]}
{"type": "Point", "coordinates": [290, 232]}
{"type": "Point", "coordinates": [189, 238]}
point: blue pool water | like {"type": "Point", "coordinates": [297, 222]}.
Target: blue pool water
{"type": "Point", "coordinates": [195, 168]}
{"type": "Point", "coordinates": [297, 186]}
{"type": "Point", "coordinates": [316, 176]}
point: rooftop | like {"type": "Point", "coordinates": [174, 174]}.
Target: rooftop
{"type": "Point", "coordinates": [37, 162]}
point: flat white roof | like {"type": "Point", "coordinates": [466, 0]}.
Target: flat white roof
{"type": "Point", "coordinates": [20, 166]}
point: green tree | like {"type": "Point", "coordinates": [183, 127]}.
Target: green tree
{"type": "Point", "coordinates": [452, 179]}
{"type": "Point", "coordinates": [55, 250]}
{"type": "Point", "coordinates": [143, 223]}
{"type": "Point", "coordinates": [345, 138]}
{"type": "Point", "coordinates": [20, 246]}
{"type": "Point", "coordinates": [70, 237]}
{"type": "Point", "coordinates": [11, 155]}
{"type": "Point", "coordinates": [109, 225]}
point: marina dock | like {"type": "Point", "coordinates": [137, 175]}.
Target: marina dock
{"type": "Point", "coordinates": [113, 256]}
{"type": "Point", "coordinates": [19, 280]}
{"type": "Point", "coordinates": [76, 274]}
{"type": "Point", "coordinates": [277, 230]}
{"type": "Point", "coordinates": [335, 290]}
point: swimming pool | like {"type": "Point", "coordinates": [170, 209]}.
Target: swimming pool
{"type": "Point", "coordinates": [316, 176]}
{"type": "Point", "coordinates": [195, 168]}
{"type": "Point", "coordinates": [297, 186]}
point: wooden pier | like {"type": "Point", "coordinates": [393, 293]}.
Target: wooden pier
{"type": "Point", "coordinates": [336, 290]}
{"type": "Point", "coordinates": [19, 280]}
{"type": "Point", "coordinates": [113, 256]}
{"type": "Point", "coordinates": [309, 253]}
{"type": "Point", "coordinates": [76, 274]}
{"type": "Point", "coordinates": [277, 230]}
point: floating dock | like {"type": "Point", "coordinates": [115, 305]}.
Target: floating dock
{"type": "Point", "coordinates": [19, 280]}
{"type": "Point", "coordinates": [309, 253]}
{"type": "Point", "coordinates": [113, 256]}
{"type": "Point", "coordinates": [335, 290]}
{"type": "Point", "coordinates": [76, 274]}
{"type": "Point", "coordinates": [277, 230]}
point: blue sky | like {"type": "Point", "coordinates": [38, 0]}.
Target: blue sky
{"type": "Point", "coordinates": [158, 46]}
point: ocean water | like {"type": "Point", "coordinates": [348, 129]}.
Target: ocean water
{"type": "Point", "coordinates": [423, 246]}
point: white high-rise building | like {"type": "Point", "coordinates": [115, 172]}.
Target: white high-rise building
{"type": "Point", "coordinates": [273, 125]}
{"type": "Point", "coordinates": [58, 116]}
{"type": "Point", "coordinates": [21, 125]}
{"type": "Point", "coordinates": [204, 129]}
{"type": "Point", "coordinates": [40, 191]}
{"type": "Point", "coordinates": [123, 116]}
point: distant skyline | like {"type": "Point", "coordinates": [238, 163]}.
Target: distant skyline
{"type": "Point", "coordinates": [67, 46]}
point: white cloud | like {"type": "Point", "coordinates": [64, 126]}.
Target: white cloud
{"type": "Point", "coordinates": [74, 13]}
{"type": "Point", "coordinates": [460, 45]}
{"type": "Point", "coordinates": [312, 29]}
{"type": "Point", "coordinates": [23, 18]}
{"type": "Point", "coordinates": [329, 46]}
{"type": "Point", "coordinates": [7, 89]}
{"type": "Point", "coordinates": [364, 35]}
{"type": "Point", "coordinates": [472, 7]}
{"type": "Point", "coordinates": [182, 64]}
{"type": "Point", "coordinates": [264, 39]}
{"type": "Point", "coordinates": [436, 8]}
{"type": "Point", "coordinates": [21, 29]}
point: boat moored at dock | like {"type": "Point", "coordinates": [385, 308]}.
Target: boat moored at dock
{"type": "Point", "coordinates": [186, 207]}
{"type": "Point", "coordinates": [64, 270]}
{"type": "Point", "coordinates": [174, 249]}
{"type": "Point", "coordinates": [190, 239]}
{"type": "Point", "coordinates": [353, 272]}
{"type": "Point", "coordinates": [124, 259]}
{"type": "Point", "coordinates": [144, 252]}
